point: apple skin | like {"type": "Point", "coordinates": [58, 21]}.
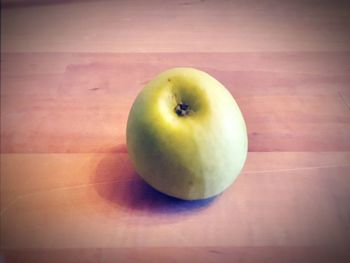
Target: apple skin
{"type": "Point", "coordinates": [195, 156]}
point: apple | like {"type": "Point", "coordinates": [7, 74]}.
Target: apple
{"type": "Point", "coordinates": [186, 135]}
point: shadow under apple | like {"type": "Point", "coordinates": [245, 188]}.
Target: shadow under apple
{"type": "Point", "coordinates": [116, 181]}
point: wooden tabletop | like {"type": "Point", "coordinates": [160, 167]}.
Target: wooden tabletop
{"type": "Point", "coordinates": [70, 71]}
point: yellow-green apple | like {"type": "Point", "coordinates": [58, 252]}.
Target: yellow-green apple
{"type": "Point", "coordinates": [186, 135]}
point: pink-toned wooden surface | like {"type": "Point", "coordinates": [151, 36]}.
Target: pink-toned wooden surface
{"type": "Point", "coordinates": [80, 102]}
{"type": "Point", "coordinates": [68, 190]}
{"type": "Point", "coordinates": [178, 25]}
{"type": "Point", "coordinates": [67, 182]}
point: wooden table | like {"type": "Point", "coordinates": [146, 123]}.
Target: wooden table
{"type": "Point", "coordinates": [69, 74]}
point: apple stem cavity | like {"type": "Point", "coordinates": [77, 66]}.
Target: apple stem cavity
{"type": "Point", "coordinates": [182, 109]}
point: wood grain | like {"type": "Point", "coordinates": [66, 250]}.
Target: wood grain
{"type": "Point", "coordinates": [283, 108]}
{"type": "Point", "coordinates": [173, 26]}
{"type": "Point", "coordinates": [80, 193]}
{"type": "Point", "coordinates": [67, 182]}
{"type": "Point", "coordinates": [196, 254]}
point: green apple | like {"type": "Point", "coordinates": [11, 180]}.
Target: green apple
{"type": "Point", "coordinates": [186, 136]}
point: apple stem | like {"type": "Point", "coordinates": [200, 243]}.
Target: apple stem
{"type": "Point", "coordinates": [182, 109]}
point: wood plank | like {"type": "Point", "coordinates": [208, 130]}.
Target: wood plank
{"type": "Point", "coordinates": [170, 26]}
{"type": "Point", "coordinates": [333, 65]}
{"type": "Point", "coordinates": [184, 254]}
{"type": "Point", "coordinates": [21, 175]}
{"type": "Point", "coordinates": [284, 110]}
{"type": "Point", "coordinates": [96, 200]}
